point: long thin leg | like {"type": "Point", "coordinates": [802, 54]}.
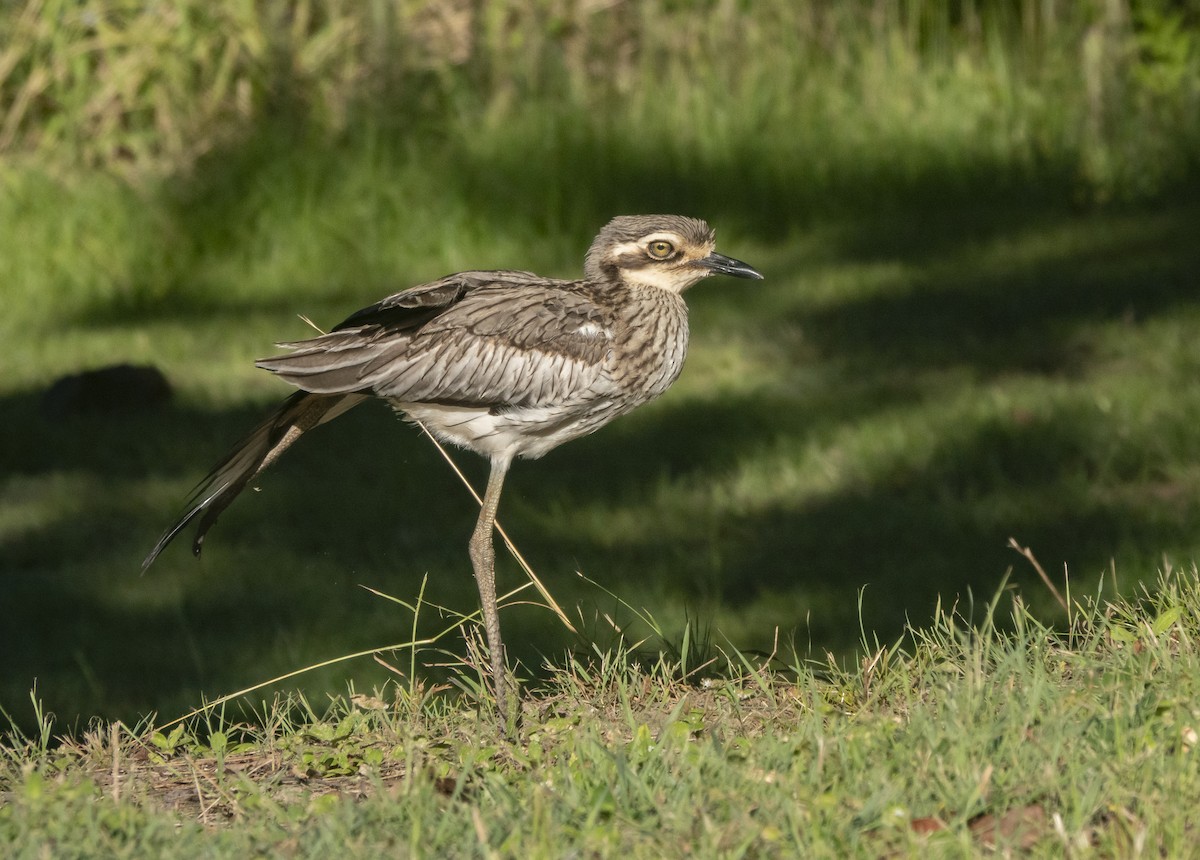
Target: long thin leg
{"type": "Point", "coordinates": [483, 559]}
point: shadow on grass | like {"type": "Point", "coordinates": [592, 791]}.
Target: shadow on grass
{"type": "Point", "coordinates": [1021, 314]}
{"type": "Point", "coordinates": [548, 188]}
{"type": "Point", "coordinates": [366, 501]}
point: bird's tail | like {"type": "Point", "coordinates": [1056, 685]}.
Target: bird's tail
{"type": "Point", "coordinates": [299, 413]}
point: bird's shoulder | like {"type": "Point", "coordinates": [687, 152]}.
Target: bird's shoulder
{"type": "Point", "coordinates": [413, 306]}
{"type": "Point", "coordinates": [511, 309]}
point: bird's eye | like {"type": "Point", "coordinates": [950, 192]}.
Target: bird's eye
{"type": "Point", "coordinates": [661, 249]}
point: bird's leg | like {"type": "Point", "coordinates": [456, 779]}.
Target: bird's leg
{"type": "Point", "coordinates": [483, 559]}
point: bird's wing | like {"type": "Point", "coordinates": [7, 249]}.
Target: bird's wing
{"type": "Point", "coordinates": [413, 307]}
{"type": "Point", "coordinates": [298, 414]}
{"type": "Point", "coordinates": [491, 339]}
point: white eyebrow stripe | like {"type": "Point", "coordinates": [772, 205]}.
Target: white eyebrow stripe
{"type": "Point", "coordinates": [625, 248]}
{"type": "Point", "coordinates": [666, 236]}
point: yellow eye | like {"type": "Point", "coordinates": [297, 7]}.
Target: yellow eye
{"type": "Point", "coordinates": [661, 249]}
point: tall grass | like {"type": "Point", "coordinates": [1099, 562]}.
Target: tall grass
{"type": "Point", "coordinates": [1107, 91]}
{"type": "Point", "coordinates": [381, 132]}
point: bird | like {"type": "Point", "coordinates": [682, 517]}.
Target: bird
{"type": "Point", "coordinates": [503, 363]}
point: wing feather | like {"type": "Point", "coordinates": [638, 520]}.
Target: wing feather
{"type": "Point", "coordinates": [491, 339]}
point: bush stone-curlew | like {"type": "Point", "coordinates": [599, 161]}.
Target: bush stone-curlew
{"type": "Point", "coordinates": [506, 364]}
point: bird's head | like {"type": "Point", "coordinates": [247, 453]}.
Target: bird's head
{"type": "Point", "coordinates": [670, 252]}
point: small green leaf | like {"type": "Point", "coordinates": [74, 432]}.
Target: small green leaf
{"type": "Point", "coordinates": [641, 745]}
{"type": "Point", "coordinates": [676, 733]}
{"type": "Point", "coordinates": [1120, 634]}
{"type": "Point", "coordinates": [1167, 618]}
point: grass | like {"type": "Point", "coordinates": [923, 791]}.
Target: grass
{"type": "Point", "coordinates": [898, 400]}
{"type": "Point", "coordinates": [982, 730]}
{"type": "Point", "coordinates": [977, 223]}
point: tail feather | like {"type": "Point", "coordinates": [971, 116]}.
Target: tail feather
{"type": "Point", "coordinates": [258, 450]}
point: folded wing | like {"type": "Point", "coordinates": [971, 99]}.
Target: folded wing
{"type": "Point", "coordinates": [494, 339]}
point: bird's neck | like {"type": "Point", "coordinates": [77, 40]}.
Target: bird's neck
{"type": "Point", "coordinates": [654, 338]}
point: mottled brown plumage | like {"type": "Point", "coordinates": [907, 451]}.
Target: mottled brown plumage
{"type": "Point", "coordinates": [502, 363]}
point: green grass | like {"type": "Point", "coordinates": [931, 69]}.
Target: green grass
{"type": "Point", "coordinates": [903, 394]}
{"type": "Point", "coordinates": [979, 320]}
{"type": "Point", "coordinates": [982, 731]}
{"type": "Point", "coordinates": [978, 225]}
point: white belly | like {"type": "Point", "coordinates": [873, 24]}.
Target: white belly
{"type": "Point", "coordinates": [526, 432]}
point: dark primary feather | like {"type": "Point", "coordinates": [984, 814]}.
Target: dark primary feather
{"type": "Point", "coordinates": [300, 412]}
{"type": "Point", "coordinates": [411, 307]}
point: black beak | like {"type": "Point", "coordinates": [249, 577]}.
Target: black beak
{"type": "Point", "coordinates": [722, 265]}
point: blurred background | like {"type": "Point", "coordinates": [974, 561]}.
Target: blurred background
{"type": "Point", "coordinates": [979, 222]}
